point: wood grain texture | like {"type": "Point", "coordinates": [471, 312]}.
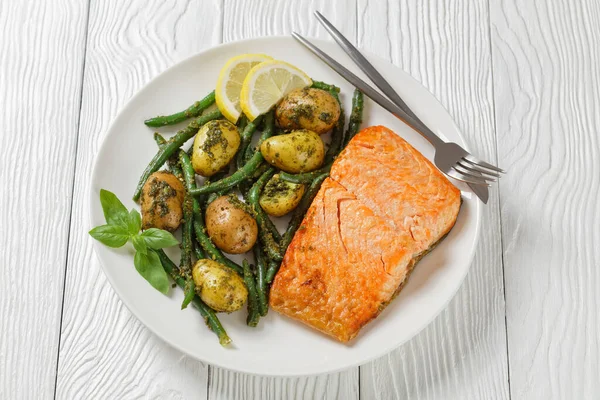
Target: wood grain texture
{"type": "Point", "coordinates": [246, 19]}
{"type": "Point", "coordinates": [547, 75]}
{"type": "Point", "coordinates": [462, 354]}
{"type": "Point", "coordinates": [41, 54]}
{"type": "Point", "coordinates": [105, 352]}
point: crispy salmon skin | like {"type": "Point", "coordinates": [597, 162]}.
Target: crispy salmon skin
{"type": "Point", "coordinates": [383, 206]}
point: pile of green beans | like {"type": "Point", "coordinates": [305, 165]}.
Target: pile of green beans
{"type": "Point", "coordinates": [251, 175]}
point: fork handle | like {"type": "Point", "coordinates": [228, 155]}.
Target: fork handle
{"type": "Point", "coordinates": [407, 115]}
{"type": "Point", "coordinates": [371, 92]}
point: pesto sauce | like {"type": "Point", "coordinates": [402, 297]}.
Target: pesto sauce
{"type": "Point", "coordinates": [302, 110]}
{"type": "Point", "coordinates": [161, 192]}
{"type": "Point", "coordinates": [326, 117]}
{"type": "Point", "coordinates": [277, 188]}
{"type": "Point", "coordinates": [214, 137]}
{"type": "Point", "coordinates": [237, 203]}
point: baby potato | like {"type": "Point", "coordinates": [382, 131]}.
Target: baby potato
{"type": "Point", "coordinates": [295, 152]}
{"type": "Point", "coordinates": [162, 201]}
{"type": "Point", "coordinates": [214, 147]}
{"type": "Point", "coordinates": [218, 286]}
{"type": "Point", "coordinates": [231, 228]}
{"type": "Point", "coordinates": [308, 108]}
{"type": "Point", "coordinates": [280, 197]}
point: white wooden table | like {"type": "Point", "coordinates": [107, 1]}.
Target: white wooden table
{"type": "Point", "coordinates": [520, 77]}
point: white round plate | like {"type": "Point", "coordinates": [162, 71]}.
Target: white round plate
{"type": "Point", "coordinates": [278, 346]}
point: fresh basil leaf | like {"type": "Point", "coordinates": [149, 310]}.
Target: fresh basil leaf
{"type": "Point", "coordinates": [115, 212]}
{"type": "Point", "coordinates": [149, 266]}
{"type": "Point", "coordinates": [110, 235]}
{"type": "Point", "coordinates": [158, 238]}
{"type": "Point", "coordinates": [134, 222]}
{"type": "Point", "coordinates": [139, 244]}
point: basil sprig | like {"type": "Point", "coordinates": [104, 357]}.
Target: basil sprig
{"type": "Point", "coordinates": [123, 226]}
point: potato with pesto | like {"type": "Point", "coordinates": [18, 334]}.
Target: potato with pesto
{"type": "Point", "coordinates": [214, 147]}
{"type": "Point", "coordinates": [295, 152]}
{"type": "Point", "coordinates": [162, 201]}
{"type": "Point", "coordinates": [230, 225]}
{"type": "Point", "coordinates": [280, 197]}
{"type": "Point", "coordinates": [313, 109]}
{"type": "Point", "coordinates": [218, 286]}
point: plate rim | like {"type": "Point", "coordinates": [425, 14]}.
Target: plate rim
{"type": "Point", "coordinates": [387, 349]}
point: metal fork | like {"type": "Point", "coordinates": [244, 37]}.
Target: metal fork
{"type": "Point", "coordinates": [450, 158]}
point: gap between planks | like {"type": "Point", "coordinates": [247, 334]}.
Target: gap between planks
{"type": "Point", "coordinates": [62, 304]}
{"type": "Point", "coordinates": [499, 197]}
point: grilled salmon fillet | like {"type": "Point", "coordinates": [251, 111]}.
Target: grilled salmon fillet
{"type": "Point", "coordinates": [383, 207]}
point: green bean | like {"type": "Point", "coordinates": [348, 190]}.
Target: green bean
{"type": "Point", "coordinates": [301, 210]}
{"type": "Point", "coordinates": [337, 136]}
{"type": "Point", "coordinates": [189, 174]}
{"type": "Point", "coordinates": [266, 230]}
{"type": "Point", "coordinates": [355, 116]}
{"type": "Point", "coordinates": [253, 312]}
{"type": "Point", "coordinates": [198, 251]}
{"type": "Point", "coordinates": [325, 86]}
{"type": "Point", "coordinates": [242, 122]}
{"type": "Point", "coordinates": [212, 251]}
{"type": "Point", "coordinates": [210, 317]}
{"type": "Point", "coordinates": [171, 147]}
{"type": "Point", "coordinates": [250, 150]}
{"type": "Point", "coordinates": [172, 161]}
{"type": "Point", "coordinates": [212, 197]}
{"type": "Point", "coordinates": [261, 279]}
{"type": "Point", "coordinates": [260, 170]}
{"type": "Point", "coordinates": [245, 139]}
{"type": "Point", "coordinates": [245, 185]}
{"type": "Point", "coordinates": [268, 130]}
{"type": "Point", "coordinates": [186, 249]}
{"type": "Point", "coordinates": [189, 291]}
{"type": "Point", "coordinates": [188, 227]}
{"type": "Point", "coordinates": [191, 112]}
{"type": "Point", "coordinates": [159, 139]}
{"type": "Point", "coordinates": [232, 180]}
{"type": "Point", "coordinates": [305, 177]}
{"type": "Point", "coordinates": [186, 237]}
{"type": "Point", "coordinates": [272, 271]}
{"type": "Point", "coordinates": [215, 178]}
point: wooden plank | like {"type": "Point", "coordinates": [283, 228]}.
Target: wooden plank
{"type": "Point", "coordinates": [547, 74]}
{"type": "Point", "coordinates": [462, 354]}
{"type": "Point", "coordinates": [251, 18]}
{"type": "Point", "coordinates": [105, 352]}
{"type": "Point", "coordinates": [41, 60]}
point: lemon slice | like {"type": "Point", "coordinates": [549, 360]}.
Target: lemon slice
{"type": "Point", "coordinates": [267, 83]}
{"type": "Point", "coordinates": [229, 83]}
